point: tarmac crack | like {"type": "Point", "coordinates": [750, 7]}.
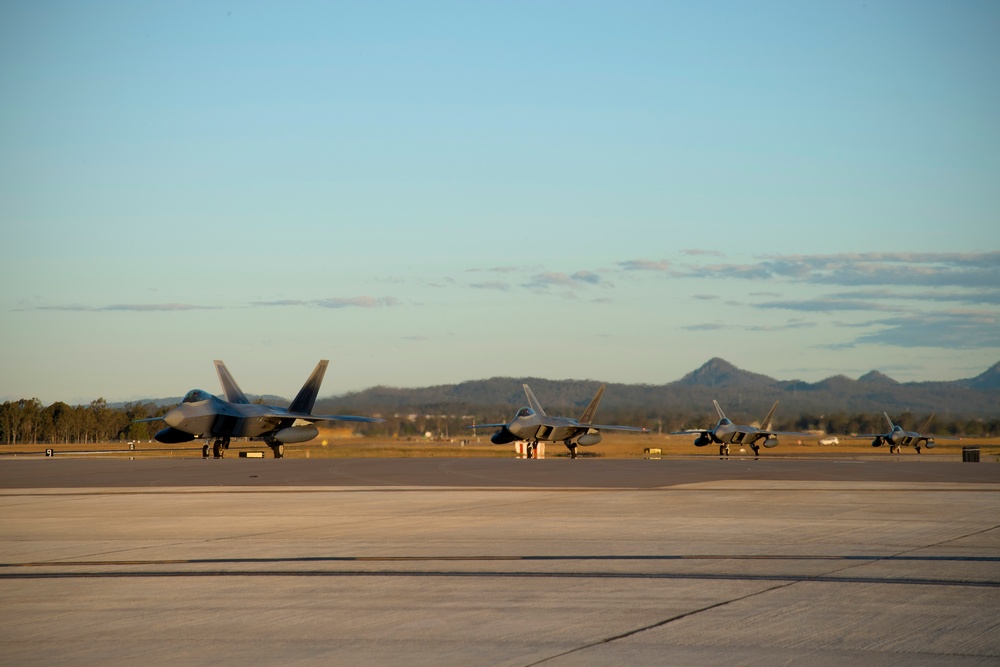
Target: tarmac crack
{"type": "Point", "coordinates": [659, 624]}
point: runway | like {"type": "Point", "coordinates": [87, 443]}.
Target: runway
{"type": "Point", "coordinates": [499, 562]}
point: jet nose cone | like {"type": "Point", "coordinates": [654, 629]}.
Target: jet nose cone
{"type": "Point", "coordinates": [173, 417]}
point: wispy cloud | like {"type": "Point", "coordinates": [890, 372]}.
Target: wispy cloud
{"type": "Point", "coordinates": [707, 326]}
{"type": "Point", "coordinates": [953, 330]}
{"type": "Point", "coordinates": [496, 269]}
{"type": "Point", "coordinates": [827, 304]}
{"type": "Point", "coordinates": [644, 265]}
{"type": "Point", "coordinates": [697, 252]}
{"type": "Point", "coordinates": [491, 285]}
{"type": "Point", "coordinates": [971, 297]}
{"type": "Point", "coordinates": [335, 302]}
{"type": "Point", "coordinates": [966, 270]}
{"type": "Point", "coordinates": [125, 307]}
{"type": "Point", "coordinates": [544, 281]}
{"type": "Point", "coordinates": [718, 326]}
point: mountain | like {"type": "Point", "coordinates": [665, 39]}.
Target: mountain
{"type": "Point", "coordinates": [718, 372]}
{"type": "Point", "coordinates": [742, 394]}
{"type": "Point", "coordinates": [985, 381]}
{"type": "Point", "coordinates": [874, 377]}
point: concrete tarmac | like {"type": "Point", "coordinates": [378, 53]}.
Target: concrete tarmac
{"type": "Point", "coordinates": [499, 562]}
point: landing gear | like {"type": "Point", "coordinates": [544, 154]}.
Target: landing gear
{"type": "Point", "coordinates": [220, 447]}
{"type": "Point", "coordinates": [279, 450]}
{"type": "Point", "coordinates": [724, 449]}
{"type": "Point", "coordinates": [917, 447]}
{"type": "Point", "coordinates": [529, 450]}
{"type": "Point", "coordinates": [756, 450]}
{"type": "Point", "coordinates": [571, 446]}
{"type": "Point", "coordinates": [204, 451]}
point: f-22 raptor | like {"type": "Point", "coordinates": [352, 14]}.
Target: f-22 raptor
{"type": "Point", "coordinates": [533, 425]}
{"type": "Point", "coordinates": [897, 437]}
{"type": "Point", "coordinates": [202, 415]}
{"type": "Point", "coordinates": [727, 433]}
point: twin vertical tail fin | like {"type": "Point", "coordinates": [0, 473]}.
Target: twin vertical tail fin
{"type": "Point", "coordinates": [722, 415]}
{"type": "Point", "coordinates": [306, 398]}
{"type": "Point", "coordinates": [588, 415]}
{"type": "Point", "coordinates": [766, 424]}
{"type": "Point", "coordinates": [533, 402]}
{"type": "Point", "coordinates": [891, 425]}
{"type": "Point", "coordinates": [231, 390]}
{"type": "Point", "coordinates": [927, 424]}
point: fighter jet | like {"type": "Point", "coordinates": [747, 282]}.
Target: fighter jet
{"type": "Point", "coordinates": [534, 426]}
{"type": "Point", "coordinates": [897, 437]}
{"type": "Point", "coordinates": [727, 433]}
{"type": "Point", "coordinates": [202, 415]}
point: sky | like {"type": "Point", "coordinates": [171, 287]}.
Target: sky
{"type": "Point", "coordinates": [432, 192]}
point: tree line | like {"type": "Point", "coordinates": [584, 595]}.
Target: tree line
{"type": "Point", "coordinates": [27, 421]}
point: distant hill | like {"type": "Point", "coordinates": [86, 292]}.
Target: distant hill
{"type": "Point", "coordinates": [743, 394]}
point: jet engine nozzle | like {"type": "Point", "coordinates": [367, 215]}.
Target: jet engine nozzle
{"type": "Point", "coordinates": [172, 436]}
{"type": "Point", "coordinates": [503, 437]}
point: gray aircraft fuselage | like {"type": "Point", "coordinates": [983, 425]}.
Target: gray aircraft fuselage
{"type": "Point", "coordinates": [898, 437]}
{"type": "Point", "coordinates": [533, 426]}
{"type": "Point", "coordinates": [728, 433]}
{"type": "Point", "coordinates": [202, 415]}
{"type": "Point", "coordinates": [527, 425]}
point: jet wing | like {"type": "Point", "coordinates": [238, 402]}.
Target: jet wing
{"type": "Point", "coordinates": [334, 418]}
{"type": "Point", "coordinates": [763, 432]}
{"type": "Point", "coordinates": [692, 431]}
{"type": "Point", "coordinates": [487, 426]}
{"type": "Point", "coordinates": [305, 416]}
{"type": "Point", "coordinates": [611, 427]}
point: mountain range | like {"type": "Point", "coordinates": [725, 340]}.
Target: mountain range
{"type": "Point", "coordinates": [743, 394]}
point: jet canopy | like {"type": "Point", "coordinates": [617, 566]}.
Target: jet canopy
{"type": "Point", "coordinates": [525, 412]}
{"type": "Point", "coordinates": [196, 396]}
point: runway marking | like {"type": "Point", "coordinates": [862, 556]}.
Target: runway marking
{"type": "Point", "coordinates": [830, 579]}
{"type": "Point", "coordinates": [417, 559]}
{"type": "Point", "coordinates": [679, 487]}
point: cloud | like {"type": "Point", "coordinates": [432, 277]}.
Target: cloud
{"type": "Point", "coordinates": [491, 285]}
{"type": "Point", "coordinates": [705, 297]}
{"type": "Point", "coordinates": [951, 330]}
{"type": "Point", "coordinates": [644, 265]}
{"type": "Point", "coordinates": [965, 270]}
{"type": "Point", "coordinates": [544, 281]}
{"type": "Point", "coordinates": [126, 307]}
{"type": "Point", "coordinates": [826, 305]}
{"type": "Point", "coordinates": [706, 327]}
{"type": "Point", "coordinates": [697, 252]}
{"type": "Point", "coordinates": [795, 323]}
{"type": "Point", "coordinates": [496, 269]}
{"type": "Point", "coordinates": [335, 302]}
{"type": "Point", "coordinates": [973, 297]}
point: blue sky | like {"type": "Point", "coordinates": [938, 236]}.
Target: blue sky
{"type": "Point", "coordinates": [427, 193]}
